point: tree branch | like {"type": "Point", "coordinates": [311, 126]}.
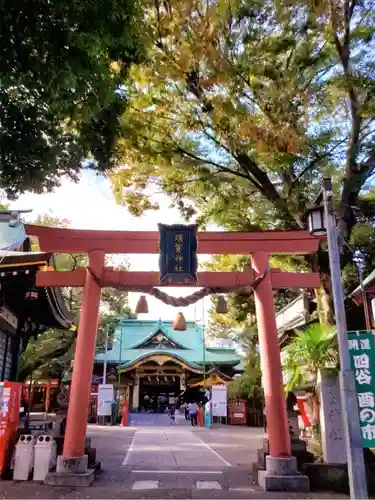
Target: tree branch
{"type": "Point", "coordinates": [315, 160]}
{"type": "Point", "coordinates": [248, 175]}
{"type": "Point", "coordinates": [343, 50]}
{"type": "Point", "coordinates": [221, 168]}
{"type": "Point", "coordinates": [268, 189]}
{"type": "Point", "coordinates": [30, 367]}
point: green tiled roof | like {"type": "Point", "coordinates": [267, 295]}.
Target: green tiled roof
{"type": "Point", "coordinates": [11, 238]}
{"type": "Point", "coordinates": [131, 335]}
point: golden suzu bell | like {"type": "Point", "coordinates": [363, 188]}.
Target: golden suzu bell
{"type": "Point", "coordinates": [179, 324]}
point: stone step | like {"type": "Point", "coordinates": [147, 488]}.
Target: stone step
{"type": "Point", "coordinates": [210, 479]}
{"type": "Point", "coordinates": [255, 469]}
{"type": "Point", "coordinates": [299, 451]}
{"type": "Point", "coordinates": [198, 492]}
{"type": "Point", "coordinates": [202, 488]}
{"type": "Point", "coordinates": [261, 458]}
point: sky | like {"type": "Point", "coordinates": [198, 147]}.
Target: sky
{"type": "Point", "coordinates": [90, 204]}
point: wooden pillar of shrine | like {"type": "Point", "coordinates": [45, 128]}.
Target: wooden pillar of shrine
{"type": "Point", "coordinates": [277, 420]}
{"type": "Point", "coordinates": [281, 467]}
{"type": "Point", "coordinates": [75, 436]}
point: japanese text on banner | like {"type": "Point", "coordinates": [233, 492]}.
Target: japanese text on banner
{"type": "Point", "coordinates": [362, 352]}
{"type": "Point", "coordinates": [179, 239]}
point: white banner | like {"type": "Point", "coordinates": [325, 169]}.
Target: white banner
{"type": "Point", "coordinates": [219, 400]}
{"type": "Point", "coordinates": [105, 398]}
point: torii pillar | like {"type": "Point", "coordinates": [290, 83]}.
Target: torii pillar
{"type": "Point", "coordinates": [73, 459]}
{"type": "Point", "coordinates": [281, 467]}
{"type": "Point", "coordinates": [277, 422]}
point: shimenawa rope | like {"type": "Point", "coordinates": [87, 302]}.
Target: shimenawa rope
{"type": "Point", "coordinates": [181, 301]}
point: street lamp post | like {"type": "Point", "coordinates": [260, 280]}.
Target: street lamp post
{"type": "Point", "coordinates": [120, 360]}
{"type": "Point", "coordinates": [204, 345]}
{"type": "Point", "coordinates": [119, 374]}
{"type": "Point", "coordinates": [105, 357]}
{"type": "Point", "coordinates": [353, 438]}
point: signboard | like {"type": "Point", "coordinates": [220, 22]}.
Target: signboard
{"type": "Point", "coordinates": [178, 254]}
{"type": "Point", "coordinates": [219, 400]}
{"type": "Point", "coordinates": [10, 402]}
{"type": "Point", "coordinates": [362, 352]}
{"type": "Point", "coordinates": [105, 399]}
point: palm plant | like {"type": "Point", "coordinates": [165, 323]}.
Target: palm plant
{"type": "Point", "coordinates": [311, 350]}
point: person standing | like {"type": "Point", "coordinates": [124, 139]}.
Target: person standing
{"type": "Point", "coordinates": [186, 409]}
{"type": "Point", "coordinates": [265, 419]}
{"type": "Point", "coordinates": [172, 415]}
{"type": "Point", "coordinates": [146, 403]}
{"type": "Point", "coordinates": [193, 410]}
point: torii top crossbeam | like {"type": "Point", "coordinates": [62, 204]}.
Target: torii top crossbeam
{"type": "Point", "coordinates": [147, 242]}
{"type": "Point", "coordinates": [59, 240]}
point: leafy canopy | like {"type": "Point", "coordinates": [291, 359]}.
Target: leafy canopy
{"type": "Point", "coordinates": [62, 65]}
{"type": "Point", "coordinates": [246, 105]}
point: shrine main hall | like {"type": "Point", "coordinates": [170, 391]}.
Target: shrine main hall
{"type": "Point", "coordinates": [152, 363]}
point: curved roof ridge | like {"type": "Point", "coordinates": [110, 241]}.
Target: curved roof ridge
{"type": "Point", "coordinates": [58, 307]}
{"type": "Point", "coordinates": [159, 327]}
{"type": "Point", "coordinates": [151, 354]}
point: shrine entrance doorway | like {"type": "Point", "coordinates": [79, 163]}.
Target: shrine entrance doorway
{"type": "Point", "coordinates": [185, 243]}
{"type": "Point", "coordinates": [156, 381]}
{"type": "Point", "coordinates": [158, 393]}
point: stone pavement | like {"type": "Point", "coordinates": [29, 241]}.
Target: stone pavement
{"type": "Point", "coordinates": [156, 460]}
{"type": "Point", "coordinates": [155, 419]}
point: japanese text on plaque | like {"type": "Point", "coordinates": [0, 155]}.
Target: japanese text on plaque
{"type": "Point", "coordinates": [361, 351]}
{"type": "Point", "coordinates": [179, 239]}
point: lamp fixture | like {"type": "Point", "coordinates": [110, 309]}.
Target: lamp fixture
{"type": "Point", "coordinates": [316, 221]}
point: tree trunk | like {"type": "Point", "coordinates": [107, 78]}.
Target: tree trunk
{"type": "Point", "coordinates": [315, 411]}
{"type": "Point", "coordinates": [324, 303]}
{"type": "Point", "coordinates": [319, 264]}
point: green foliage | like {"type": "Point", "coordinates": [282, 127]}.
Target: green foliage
{"type": "Point", "coordinates": [311, 350]}
{"type": "Point", "coordinates": [48, 219]}
{"type": "Point", "coordinates": [62, 65]}
{"type": "Point", "coordinates": [363, 238]}
{"type": "Point", "coordinates": [241, 305]}
{"type": "Point", "coordinates": [243, 109]}
{"type": "Point", "coordinates": [239, 324]}
{"type": "Point", "coordinates": [249, 384]}
{"type": "Point", "coordinates": [108, 322]}
{"type": "Point", "coordinates": [49, 355]}
{"type": "Point", "coordinates": [247, 86]}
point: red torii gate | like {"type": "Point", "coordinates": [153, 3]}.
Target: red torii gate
{"type": "Point", "coordinates": [98, 243]}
